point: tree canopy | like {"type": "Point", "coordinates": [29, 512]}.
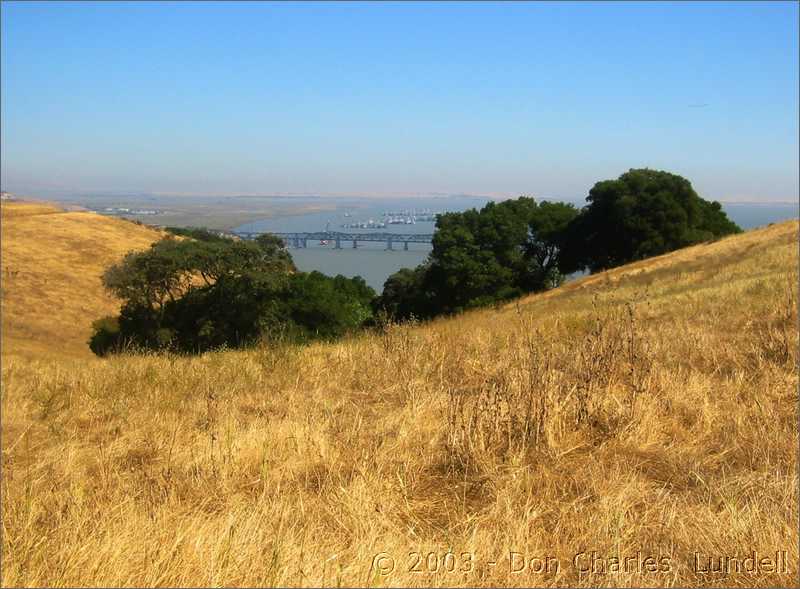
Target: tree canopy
{"type": "Point", "coordinates": [193, 296]}
{"type": "Point", "coordinates": [482, 256]}
{"type": "Point", "coordinates": [642, 213]}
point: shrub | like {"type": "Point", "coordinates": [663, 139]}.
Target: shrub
{"type": "Point", "coordinates": [106, 337]}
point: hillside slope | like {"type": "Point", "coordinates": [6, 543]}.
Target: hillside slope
{"type": "Point", "coordinates": [628, 429]}
{"type": "Point", "coordinates": [52, 261]}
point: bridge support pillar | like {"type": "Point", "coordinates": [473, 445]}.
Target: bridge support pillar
{"type": "Point", "coordinates": [299, 239]}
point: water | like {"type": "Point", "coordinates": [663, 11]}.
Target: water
{"type": "Point", "coordinates": [749, 216]}
{"type": "Point", "coordinates": [372, 262]}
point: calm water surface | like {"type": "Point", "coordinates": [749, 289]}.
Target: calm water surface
{"type": "Point", "coordinates": [372, 262]}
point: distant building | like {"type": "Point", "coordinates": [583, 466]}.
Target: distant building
{"type": "Point", "coordinates": [6, 196]}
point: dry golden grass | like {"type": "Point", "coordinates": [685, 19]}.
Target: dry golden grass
{"type": "Point", "coordinates": [647, 411]}
{"type": "Point", "coordinates": [52, 261]}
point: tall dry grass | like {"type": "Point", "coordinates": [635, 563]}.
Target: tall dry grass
{"type": "Point", "coordinates": [647, 412]}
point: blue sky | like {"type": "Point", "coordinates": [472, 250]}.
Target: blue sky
{"type": "Point", "coordinates": [401, 99]}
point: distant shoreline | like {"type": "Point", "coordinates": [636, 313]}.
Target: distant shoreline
{"type": "Point", "coordinates": [777, 203]}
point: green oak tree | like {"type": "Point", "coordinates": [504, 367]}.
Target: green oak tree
{"type": "Point", "coordinates": [642, 213]}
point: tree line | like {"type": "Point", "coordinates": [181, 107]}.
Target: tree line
{"type": "Point", "coordinates": [520, 246]}
{"type": "Point", "coordinates": [205, 291]}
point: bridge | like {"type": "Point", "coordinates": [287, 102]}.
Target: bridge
{"type": "Point", "coordinates": [300, 239]}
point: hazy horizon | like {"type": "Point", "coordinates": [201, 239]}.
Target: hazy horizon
{"type": "Point", "coordinates": [78, 195]}
{"type": "Point", "coordinates": [397, 100]}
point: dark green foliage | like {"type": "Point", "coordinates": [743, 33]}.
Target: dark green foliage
{"type": "Point", "coordinates": [198, 295]}
{"type": "Point", "coordinates": [321, 307]}
{"type": "Point", "coordinates": [520, 246]}
{"type": "Point", "coordinates": [230, 312]}
{"type": "Point", "coordinates": [106, 336]}
{"type": "Point", "coordinates": [547, 238]}
{"type": "Point", "coordinates": [197, 233]}
{"type": "Point", "coordinates": [643, 213]}
{"type": "Point", "coordinates": [404, 295]}
{"type": "Point", "coordinates": [481, 257]}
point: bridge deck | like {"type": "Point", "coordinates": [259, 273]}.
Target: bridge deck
{"type": "Point", "coordinates": [340, 236]}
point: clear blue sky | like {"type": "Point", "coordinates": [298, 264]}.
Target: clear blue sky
{"type": "Point", "coordinates": [491, 99]}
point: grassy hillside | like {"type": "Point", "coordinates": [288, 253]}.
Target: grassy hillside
{"type": "Point", "coordinates": [51, 266]}
{"type": "Point", "coordinates": [650, 411]}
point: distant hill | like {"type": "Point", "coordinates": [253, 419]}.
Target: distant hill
{"type": "Point", "coordinates": [52, 261]}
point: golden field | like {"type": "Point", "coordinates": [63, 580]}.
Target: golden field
{"type": "Point", "coordinates": [52, 261]}
{"type": "Point", "coordinates": [647, 414]}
